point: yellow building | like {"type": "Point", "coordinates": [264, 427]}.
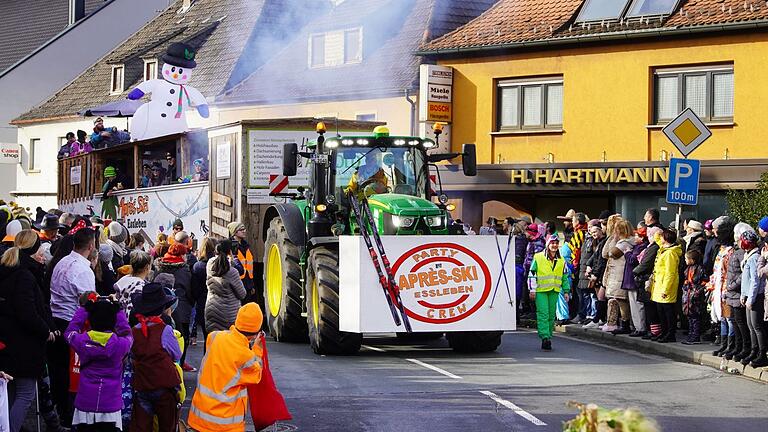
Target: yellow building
{"type": "Point", "coordinates": [566, 100]}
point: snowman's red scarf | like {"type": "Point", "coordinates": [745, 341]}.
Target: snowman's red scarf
{"type": "Point", "coordinates": [182, 91]}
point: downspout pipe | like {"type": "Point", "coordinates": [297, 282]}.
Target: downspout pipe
{"type": "Point", "coordinates": [407, 95]}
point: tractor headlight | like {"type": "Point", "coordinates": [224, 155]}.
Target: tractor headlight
{"type": "Point", "coordinates": [330, 199]}
{"type": "Point", "coordinates": [332, 143]}
{"type": "Point", "coordinates": [402, 221]}
{"type": "Point", "coordinates": [443, 198]}
{"type": "Point", "coordinates": [434, 221]}
{"type": "Point", "coordinates": [428, 144]}
{"type": "Point", "coordinates": [450, 207]}
{"type": "Point", "coordinates": [348, 142]}
{"type": "Point", "coordinates": [321, 208]}
{"type": "Point", "coordinates": [399, 142]}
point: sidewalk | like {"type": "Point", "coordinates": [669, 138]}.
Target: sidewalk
{"type": "Point", "coordinates": [699, 354]}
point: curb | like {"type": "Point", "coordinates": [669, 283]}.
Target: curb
{"type": "Point", "coordinates": [700, 354]}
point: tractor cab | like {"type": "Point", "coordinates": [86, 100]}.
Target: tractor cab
{"type": "Point", "coordinates": [392, 172]}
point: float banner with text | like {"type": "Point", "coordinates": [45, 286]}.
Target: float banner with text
{"type": "Point", "coordinates": [446, 284]}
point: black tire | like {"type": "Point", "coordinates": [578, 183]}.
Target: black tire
{"type": "Point", "coordinates": [285, 323]}
{"type": "Point", "coordinates": [474, 341]}
{"type": "Point", "coordinates": [323, 306]}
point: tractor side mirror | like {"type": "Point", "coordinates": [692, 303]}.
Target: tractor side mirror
{"type": "Point", "coordinates": [469, 160]}
{"type": "Point", "coordinates": [290, 151]}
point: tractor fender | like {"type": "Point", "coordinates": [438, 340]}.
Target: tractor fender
{"type": "Point", "coordinates": [292, 220]}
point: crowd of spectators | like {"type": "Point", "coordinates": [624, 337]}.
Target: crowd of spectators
{"type": "Point", "coordinates": [649, 281]}
{"type": "Point", "coordinates": [95, 324]}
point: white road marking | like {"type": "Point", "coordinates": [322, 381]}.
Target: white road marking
{"type": "Point", "coordinates": [434, 368]}
{"type": "Point", "coordinates": [517, 410]}
{"type": "Point", "coordinates": [373, 348]}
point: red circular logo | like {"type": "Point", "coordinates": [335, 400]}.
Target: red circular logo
{"type": "Point", "coordinates": [441, 283]}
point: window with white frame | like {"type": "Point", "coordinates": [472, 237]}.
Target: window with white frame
{"type": "Point", "coordinates": [336, 48]}
{"type": "Point", "coordinates": [35, 154]}
{"type": "Point", "coordinates": [116, 86]}
{"type": "Point", "coordinates": [708, 91]}
{"type": "Point", "coordinates": [150, 69]}
{"type": "Point", "coordinates": [530, 104]}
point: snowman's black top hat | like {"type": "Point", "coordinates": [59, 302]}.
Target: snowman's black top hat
{"type": "Point", "coordinates": [180, 54]}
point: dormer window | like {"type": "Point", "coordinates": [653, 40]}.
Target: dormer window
{"type": "Point", "coordinates": [150, 69]}
{"type": "Point", "coordinates": [336, 48]}
{"type": "Point", "coordinates": [117, 86]}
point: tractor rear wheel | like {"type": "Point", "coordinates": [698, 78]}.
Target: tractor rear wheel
{"type": "Point", "coordinates": [474, 341]}
{"type": "Point", "coordinates": [323, 306]}
{"type": "Point", "coordinates": [282, 286]}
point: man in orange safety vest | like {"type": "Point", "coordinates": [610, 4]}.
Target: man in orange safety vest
{"type": "Point", "coordinates": [233, 361]}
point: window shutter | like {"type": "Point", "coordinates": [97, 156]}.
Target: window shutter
{"type": "Point", "coordinates": [555, 104]}
{"type": "Point", "coordinates": [509, 103]}
{"type": "Point", "coordinates": [696, 94]}
{"type": "Point", "coordinates": [666, 97]}
{"type": "Point", "coordinates": [532, 106]}
{"type": "Point", "coordinates": [723, 95]}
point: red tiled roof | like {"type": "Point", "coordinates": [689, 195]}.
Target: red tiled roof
{"type": "Point", "coordinates": [514, 22]}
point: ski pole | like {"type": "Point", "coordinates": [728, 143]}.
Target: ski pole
{"type": "Point", "coordinates": [503, 271]}
{"type": "Point", "coordinates": [374, 258]}
{"type": "Point", "coordinates": [393, 288]}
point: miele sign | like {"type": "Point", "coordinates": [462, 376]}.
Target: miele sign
{"type": "Point", "coordinates": [10, 153]}
{"type": "Point", "coordinates": [439, 93]}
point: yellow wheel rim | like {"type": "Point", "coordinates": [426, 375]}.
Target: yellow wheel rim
{"type": "Point", "coordinates": [274, 280]}
{"type": "Point", "coordinates": [315, 303]}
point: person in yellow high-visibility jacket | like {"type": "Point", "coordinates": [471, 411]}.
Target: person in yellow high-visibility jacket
{"type": "Point", "coordinates": [233, 361]}
{"type": "Point", "coordinates": [547, 277]}
{"type": "Point", "coordinates": [369, 178]}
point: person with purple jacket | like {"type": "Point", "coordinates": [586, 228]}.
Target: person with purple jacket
{"type": "Point", "coordinates": [100, 335]}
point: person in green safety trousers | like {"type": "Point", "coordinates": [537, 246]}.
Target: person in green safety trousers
{"type": "Point", "coordinates": [548, 276]}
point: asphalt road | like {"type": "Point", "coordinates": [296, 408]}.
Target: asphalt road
{"type": "Point", "coordinates": [391, 386]}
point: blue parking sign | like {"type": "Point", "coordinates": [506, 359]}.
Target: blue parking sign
{"type": "Point", "coordinates": [683, 183]}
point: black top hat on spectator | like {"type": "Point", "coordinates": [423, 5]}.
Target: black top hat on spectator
{"type": "Point", "coordinates": [152, 300]}
{"type": "Point", "coordinates": [180, 54]}
{"type": "Point", "coordinates": [49, 222]}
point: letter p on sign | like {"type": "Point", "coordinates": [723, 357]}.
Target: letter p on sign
{"type": "Point", "coordinates": [682, 171]}
{"type": "Point", "coordinates": [683, 184]}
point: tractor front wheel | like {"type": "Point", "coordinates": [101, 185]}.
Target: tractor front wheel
{"type": "Point", "coordinates": [282, 286]}
{"type": "Point", "coordinates": [474, 341]}
{"type": "Point", "coordinates": [323, 306]}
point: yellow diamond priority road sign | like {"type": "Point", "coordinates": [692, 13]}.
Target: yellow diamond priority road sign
{"type": "Point", "coordinates": [687, 132]}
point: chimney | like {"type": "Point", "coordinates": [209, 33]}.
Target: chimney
{"type": "Point", "coordinates": [186, 4]}
{"type": "Point", "coordinates": [76, 11]}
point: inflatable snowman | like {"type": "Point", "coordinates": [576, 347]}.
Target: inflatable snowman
{"type": "Point", "coordinates": [165, 114]}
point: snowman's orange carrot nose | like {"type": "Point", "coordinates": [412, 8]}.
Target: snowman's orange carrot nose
{"type": "Point", "coordinates": [175, 76]}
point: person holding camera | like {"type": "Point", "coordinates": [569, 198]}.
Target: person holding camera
{"type": "Point", "coordinates": [100, 335]}
{"type": "Point", "coordinates": [225, 289]}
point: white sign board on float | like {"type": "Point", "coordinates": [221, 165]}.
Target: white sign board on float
{"type": "Point", "coordinates": [223, 160]}
{"type": "Point", "coordinates": [75, 175]}
{"type": "Point", "coordinates": [446, 283]}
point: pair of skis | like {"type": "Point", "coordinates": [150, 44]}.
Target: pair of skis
{"type": "Point", "coordinates": [391, 290]}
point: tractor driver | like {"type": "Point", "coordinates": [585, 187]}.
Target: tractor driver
{"type": "Point", "coordinates": [369, 177]}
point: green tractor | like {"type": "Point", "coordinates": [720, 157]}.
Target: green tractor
{"type": "Point", "coordinates": [301, 250]}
